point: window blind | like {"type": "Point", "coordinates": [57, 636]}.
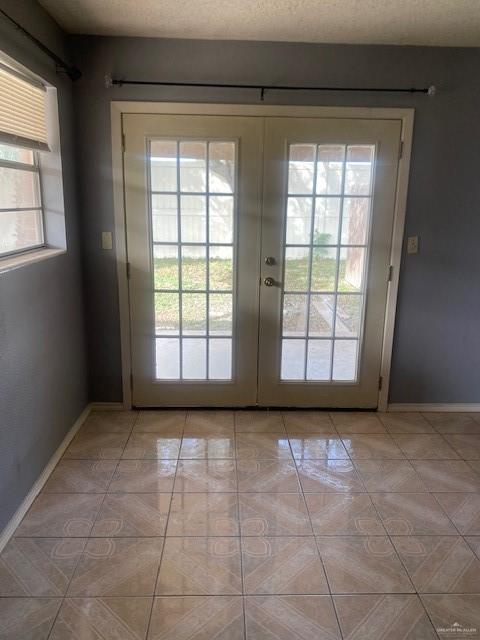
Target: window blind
{"type": "Point", "coordinates": [22, 110]}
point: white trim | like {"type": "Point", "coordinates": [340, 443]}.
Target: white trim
{"type": "Point", "coordinates": [9, 263]}
{"type": "Point", "coordinates": [118, 108]}
{"type": "Point", "coordinates": [436, 407]}
{"type": "Point", "coordinates": [17, 517]}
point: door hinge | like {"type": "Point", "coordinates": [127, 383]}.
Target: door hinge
{"type": "Point", "coordinates": [400, 150]}
{"type": "Point", "coordinates": [131, 382]}
{"type": "Point", "coordinates": [124, 144]}
{"type": "Point", "coordinates": [128, 270]}
{"type": "Point", "coordinates": [390, 273]}
{"type": "Point", "coordinates": [380, 383]}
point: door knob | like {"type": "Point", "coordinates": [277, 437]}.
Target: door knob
{"type": "Point", "coordinates": [269, 282]}
{"type": "Point", "coordinates": [270, 260]}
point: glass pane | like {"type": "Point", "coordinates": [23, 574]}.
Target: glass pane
{"type": "Point", "coordinates": [165, 267]}
{"type": "Point", "coordinates": [327, 215]}
{"type": "Point", "coordinates": [350, 276]}
{"type": "Point", "coordinates": [167, 358]}
{"type": "Point", "coordinates": [300, 168]}
{"type": "Point", "coordinates": [194, 313]}
{"type": "Point", "coordinates": [321, 315]}
{"type": "Point", "coordinates": [345, 360]}
{"type": "Point", "coordinates": [194, 358]}
{"type": "Point", "coordinates": [221, 219]}
{"type": "Point", "coordinates": [299, 216]}
{"type": "Point", "coordinates": [16, 154]}
{"type": "Point", "coordinates": [18, 189]}
{"type": "Point", "coordinates": [163, 165]}
{"type": "Point", "coordinates": [220, 314]}
{"type": "Point", "coordinates": [294, 315]}
{"type": "Point", "coordinates": [349, 311]}
{"type": "Point", "coordinates": [358, 176]}
{"type": "Point", "coordinates": [355, 220]}
{"type": "Point", "coordinates": [194, 218]}
{"type": "Point", "coordinates": [167, 319]}
{"type": "Point", "coordinates": [193, 166]}
{"type": "Point", "coordinates": [194, 267]}
{"type": "Point", "coordinates": [296, 269]}
{"type": "Point", "coordinates": [324, 266]}
{"type": "Point", "coordinates": [220, 268]}
{"type": "Point", "coordinates": [164, 218]}
{"type": "Point", "coordinates": [293, 359]}
{"type": "Point", "coordinates": [221, 167]}
{"type": "Point", "coordinates": [319, 359]}
{"type": "Point", "coordinates": [330, 169]}
{"type": "Point", "coordinates": [220, 359]}
{"type": "Point", "coordinates": [20, 230]}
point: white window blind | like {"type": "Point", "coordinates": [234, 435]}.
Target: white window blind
{"type": "Point", "coordinates": [22, 110]}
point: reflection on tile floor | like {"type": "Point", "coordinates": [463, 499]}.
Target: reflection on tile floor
{"type": "Point", "coordinates": [234, 525]}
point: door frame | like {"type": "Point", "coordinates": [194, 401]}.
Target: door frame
{"type": "Point", "coordinates": [119, 108]}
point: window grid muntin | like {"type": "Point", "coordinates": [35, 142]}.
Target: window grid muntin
{"type": "Point", "coordinates": [32, 168]}
{"type": "Point", "coordinates": [180, 336]}
{"type": "Point", "coordinates": [314, 196]}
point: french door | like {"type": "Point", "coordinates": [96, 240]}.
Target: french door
{"type": "Point", "coordinates": [259, 251]}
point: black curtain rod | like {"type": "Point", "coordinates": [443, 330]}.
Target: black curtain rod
{"type": "Point", "coordinates": [72, 72]}
{"type": "Point", "coordinates": [111, 82]}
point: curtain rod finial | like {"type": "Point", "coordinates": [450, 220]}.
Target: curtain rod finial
{"type": "Point", "coordinates": [108, 81]}
{"type": "Point", "coordinates": [432, 90]}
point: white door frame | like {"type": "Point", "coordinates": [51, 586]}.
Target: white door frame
{"type": "Point", "coordinates": [118, 108]}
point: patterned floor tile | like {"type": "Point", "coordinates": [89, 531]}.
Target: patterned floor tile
{"type": "Point", "coordinates": [262, 445]}
{"type": "Point", "coordinates": [210, 447]}
{"type": "Point", "coordinates": [405, 423]}
{"type": "Point", "coordinates": [318, 448]}
{"type": "Point", "coordinates": [94, 446]}
{"type": "Point", "coordinates": [151, 446]}
{"type": "Point", "coordinates": [452, 422]}
{"type": "Point", "coordinates": [139, 476]}
{"type": "Point", "coordinates": [259, 422]}
{"type": "Point", "coordinates": [201, 423]}
{"type": "Point", "coordinates": [467, 446]}
{"type": "Point", "coordinates": [394, 476]}
{"type": "Point", "coordinates": [61, 515]}
{"type": "Point", "coordinates": [102, 618]}
{"type": "Point", "coordinates": [275, 514]}
{"type": "Point", "coordinates": [200, 566]}
{"type": "Point", "coordinates": [423, 446]}
{"type": "Point", "coordinates": [454, 615]}
{"type": "Point", "coordinates": [412, 514]}
{"type": "Point", "coordinates": [81, 476]}
{"type": "Point", "coordinates": [203, 514]}
{"type": "Point", "coordinates": [447, 475]}
{"type": "Point", "coordinates": [351, 422]}
{"type": "Point", "coordinates": [365, 447]}
{"type": "Point", "coordinates": [363, 565]}
{"type": "Point", "coordinates": [300, 423]}
{"type": "Point", "coordinates": [27, 618]}
{"type": "Point", "coordinates": [110, 422]}
{"type": "Point", "coordinates": [38, 566]}
{"type": "Point", "coordinates": [117, 567]}
{"type": "Point", "coordinates": [463, 509]}
{"type": "Point", "coordinates": [206, 475]}
{"type": "Point", "coordinates": [289, 565]}
{"type": "Point", "coordinates": [267, 476]}
{"type": "Point", "coordinates": [474, 544]}
{"type": "Point", "coordinates": [168, 424]}
{"type": "Point", "coordinates": [132, 515]}
{"type": "Point", "coordinates": [343, 514]}
{"type": "Point", "coordinates": [318, 476]}
{"type": "Point", "coordinates": [383, 617]}
{"type": "Point", "coordinates": [439, 564]}
{"type": "Point", "coordinates": [197, 618]}
{"type": "Point", "coordinates": [291, 618]}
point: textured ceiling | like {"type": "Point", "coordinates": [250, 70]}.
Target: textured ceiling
{"type": "Point", "coordinates": [412, 22]}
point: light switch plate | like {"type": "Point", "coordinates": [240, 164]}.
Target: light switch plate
{"type": "Point", "coordinates": [107, 242]}
{"type": "Point", "coordinates": [412, 244]}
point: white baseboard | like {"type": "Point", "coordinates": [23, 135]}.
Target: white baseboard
{"type": "Point", "coordinates": [434, 407]}
{"type": "Point", "coordinates": [17, 517]}
{"type": "Point", "coordinates": [106, 406]}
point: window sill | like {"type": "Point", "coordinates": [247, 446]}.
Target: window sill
{"type": "Point", "coordinates": [9, 263]}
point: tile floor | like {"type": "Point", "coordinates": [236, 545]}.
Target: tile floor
{"type": "Point", "coordinates": [220, 525]}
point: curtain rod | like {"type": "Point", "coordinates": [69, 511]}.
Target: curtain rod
{"type": "Point", "coordinates": [72, 72]}
{"type": "Point", "coordinates": [112, 82]}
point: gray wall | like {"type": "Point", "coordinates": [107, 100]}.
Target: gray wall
{"type": "Point", "coordinates": [436, 353]}
{"type": "Point", "coordinates": [43, 377]}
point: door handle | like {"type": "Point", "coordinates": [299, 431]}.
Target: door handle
{"type": "Point", "coordinates": [269, 282]}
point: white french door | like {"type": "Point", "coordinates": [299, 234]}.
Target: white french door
{"type": "Point", "coordinates": [259, 250]}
